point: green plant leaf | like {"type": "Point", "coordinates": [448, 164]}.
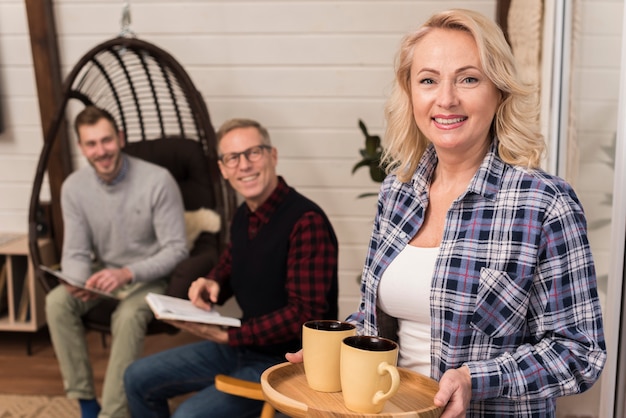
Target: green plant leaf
{"type": "Point", "coordinates": [371, 157]}
{"type": "Point", "coordinates": [376, 173]}
{"type": "Point", "coordinates": [372, 146]}
{"type": "Point", "coordinates": [363, 128]}
{"type": "Point", "coordinates": [362, 163]}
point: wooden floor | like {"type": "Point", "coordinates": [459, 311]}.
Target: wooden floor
{"type": "Point", "coordinates": [38, 373]}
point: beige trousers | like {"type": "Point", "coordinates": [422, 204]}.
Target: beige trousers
{"type": "Point", "coordinates": [128, 328]}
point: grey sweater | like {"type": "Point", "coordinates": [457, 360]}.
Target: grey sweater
{"type": "Point", "coordinates": [137, 223]}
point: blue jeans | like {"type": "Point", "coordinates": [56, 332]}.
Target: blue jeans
{"type": "Point", "coordinates": [151, 381]}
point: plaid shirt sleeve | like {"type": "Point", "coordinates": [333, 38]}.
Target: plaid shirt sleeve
{"type": "Point", "coordinates": [311, 265]}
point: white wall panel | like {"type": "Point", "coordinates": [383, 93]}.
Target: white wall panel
{"type": "Point", "coordinates": [601, 17]}
{"type": "Point", "coordinates": [12, 220]}
{"type": "Point", "coordinates": [15, 51]}
{"type": "Point", "coordinates": [233, 17]}
{"type": "Point", "coordinates": [17, 82]}
{"type": "Point", "coordinates": [22, 142]}
{"type": "Point", "coordinates": [351, 258]}
{"type": "Point", "coordinates": [341, 201]}
{"type": "Point", "coordinates": [268, 49]}
{"type": "Point", "coordinates": [599, 51]}
{"type": "Point", "coordinates": [17, 169]}
{"type": "Point", "coordinates": [295, 81]}
{"type": "Point", "coordinates": [322, 173]}
{"type": "Point", "coordinates": [20, 112]}
{"type": "Point", "coordinates": [599, 84]}
{"type": "Point", "coordinates": [13, 194]}
{"type": "Point", "coordinates": [596, 116]}
{"type": "Point", "coordinates": [590, 173]}
{"type": "Point", "coordinates": [595, 147]}
{"type": "Point", "coordinates": [302, 113]}
{"type": "Point", "coordinates": [321, 142]}
{"type": "Point", "coordinates": [352, 230]}
{"type": "Point", "coordinates": [12, 18]}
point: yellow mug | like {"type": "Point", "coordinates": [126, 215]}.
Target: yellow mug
{"type": "Point", "coordinates": [369, 376]}
{"type": "Point", "coordinates": [321, 347]}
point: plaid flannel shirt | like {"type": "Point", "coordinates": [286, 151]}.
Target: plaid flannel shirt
{"type": "Point", "coordinates": [513, 294]}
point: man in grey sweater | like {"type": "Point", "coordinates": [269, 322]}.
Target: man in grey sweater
{"type": "Point", "coordinates": [126, 216]}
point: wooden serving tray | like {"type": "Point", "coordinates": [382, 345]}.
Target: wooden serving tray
{"type": "Point", "coordinates": [285, 387]}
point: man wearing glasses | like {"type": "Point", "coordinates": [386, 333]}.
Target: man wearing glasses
{"type": "Point", "coordinates": [281, 266]}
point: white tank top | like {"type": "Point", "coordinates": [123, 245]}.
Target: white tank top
{"type": "Point", "coordinates": [404, 293]}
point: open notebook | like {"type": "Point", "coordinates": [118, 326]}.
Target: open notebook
{"type": "Point", "coordinates": [169, 307]}
{"type": "Point", "coordinates": [76, 283]}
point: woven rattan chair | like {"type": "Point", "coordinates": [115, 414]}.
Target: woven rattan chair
{"type": "Point", "coordinates": [166, 121]}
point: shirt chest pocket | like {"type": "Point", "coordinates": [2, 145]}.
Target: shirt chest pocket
{"type": "Point", "coordinates": [501, 304]}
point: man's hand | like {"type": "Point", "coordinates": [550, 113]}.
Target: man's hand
{"type": "Point", "coordinates": [110, 279]}
{"type": "Point", "coordinates": [213, 333]}
{"type": "Point", "coordinates": [203, 293]}
{"type": "Point", "coordinates": [455, 392]}
{"type": "Point", "coordinates": [79, 293]}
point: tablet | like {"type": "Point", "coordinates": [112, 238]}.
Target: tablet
{"type": "Point", "coordinates": [73, 282]}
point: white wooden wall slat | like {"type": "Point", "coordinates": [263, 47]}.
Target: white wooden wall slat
{"type": "Point", "coordinates": [17, 82]}
{"type": "Point", "coordinates": [302, 113]}
{"type": "Point", "coordinates": [599, 51]}
{"type": "Point", "coordinates": [255, 17]}
{"type": "Point", "coordinates": [18, 191]}
{"type": "Point", "coordinates": [15, 51]}
{"type": "Point", "coordinates": [295, 81]}
{"type": "Point", "coordinates": [13, 18]}
{"type": "Point", "coordinates": [596, 116]}
{"type": "Point", "coordinates": [253, 49]}
{"type": "Point", "coordinates": [601, 16]}
{"type": "Point", "coordinates": [600, 85]}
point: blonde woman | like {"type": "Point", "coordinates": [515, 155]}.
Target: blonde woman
{"type": "Point", "coordinates": [478, 263]}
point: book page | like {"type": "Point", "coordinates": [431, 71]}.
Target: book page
{"type": "Point", "coordinates": [169, 307]}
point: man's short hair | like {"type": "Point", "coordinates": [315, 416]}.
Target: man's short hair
{"type": "Point", "coordinates": [237, 123]}
{"type": "Point", "coordinates": [90, 115]}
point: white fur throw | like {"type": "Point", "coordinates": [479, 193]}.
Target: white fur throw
{"type": "Point", "coordinates": [198, 221]}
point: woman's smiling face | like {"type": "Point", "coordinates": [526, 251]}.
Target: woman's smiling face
{"type": "Point", "coordinates": [454, 102]}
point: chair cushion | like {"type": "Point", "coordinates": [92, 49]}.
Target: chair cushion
{"type": "Point", "coordinates": [186, 161]}
{"type": "Point", "coordinates": [202, 258]}
{"type": "Point", "coordinates": [199, 221]}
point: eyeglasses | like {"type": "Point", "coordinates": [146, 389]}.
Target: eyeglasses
{"type": "Point", "coordinates": [252, 154]}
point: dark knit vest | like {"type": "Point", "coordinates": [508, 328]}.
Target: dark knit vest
{"type": "Point", "coordinates": [259, 265]}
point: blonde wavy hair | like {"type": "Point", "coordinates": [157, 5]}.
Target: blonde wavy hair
{"type": "Point", "coordinates": [516, 122]}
